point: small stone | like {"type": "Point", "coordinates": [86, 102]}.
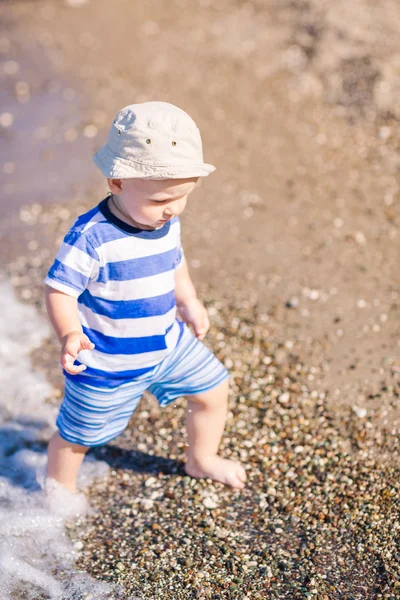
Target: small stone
{"type": "Point", "coordinates": [146, 503]}
{"type": "Point", "coordinates": [150, 482]}
{"type": "Point", "coordinates": [360, 238]}
{"type": "Point", "coordinates": [6, 119]}
{"type": "Point", "coordinates": [209, 502]}
{"type": "Point", "coordinates": [284, 398]}
{"type": "Point", "coordinates": [314, 294]}
{"type": "Point", "coordinates": [90, 131]}
{"type": "Point", "coordinates": [360, 412]}
{"type": "Point", "coordinates": [22, 90]}
{"type": "Point", "coordinates": [78, 545]}
{"type": "Point", "coordinates": [11, 67]}
{"type": "Point", "coordinates": [293, 302]}
{"type": "Point", "coordinates": [385, 132]}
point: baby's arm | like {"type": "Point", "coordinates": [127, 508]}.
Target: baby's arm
{"type": "Point", "coordinates": [189, 306]}
{"type": "Point", "coordinates": [63, 314]}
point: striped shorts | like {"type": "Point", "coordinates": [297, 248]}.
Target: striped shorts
{"type": "Point", "coordinates": [91, 416]}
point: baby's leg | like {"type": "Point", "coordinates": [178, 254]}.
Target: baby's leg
{"type": "Point", "coordinates": [205, 419]}
{"type": "Point", "coordinates": [64, 460]}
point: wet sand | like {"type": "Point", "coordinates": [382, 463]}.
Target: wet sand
{"type": "Point", "coordinates": [297, 230]}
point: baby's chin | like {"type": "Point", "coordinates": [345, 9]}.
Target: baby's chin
{"type": "Point", "coordinates": [149, 226]}
{"type": "Point", "coordinates": [160, 225]}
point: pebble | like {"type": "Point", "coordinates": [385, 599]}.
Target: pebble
{"type": "Point", "coordinates": [284, 398]}
{"type": "Point", "coordinates": [210, 502]}
{"type": "Point", "coordinates": [10, 67]}
{"type": "Point", "coordinates": [360, 412]}
{"type": "Point", "coordinates": [314, 294]}
{"type": "Point", "coordinates": [293, 302]}
{"type": "Point", "coordinates": [90, 131]}
{"type": "Point", "coordinates": [146, 503]}
{"type": "Point", "coordinates": [150, 482]}
{"type": "Point", "coordinates": [360, 238]}
{"type": "Point", "coordinates": [6, 120]}
{"type": "Point", "coordinates": [22, 91]}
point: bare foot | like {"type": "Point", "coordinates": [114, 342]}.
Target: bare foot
{"type": "Point", "coordinates": [220, 469]}
{"type": "Point", "coordinates": [62, 502]}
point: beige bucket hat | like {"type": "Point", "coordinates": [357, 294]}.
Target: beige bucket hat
{"type": "Point", "coordinates": [153, 140]}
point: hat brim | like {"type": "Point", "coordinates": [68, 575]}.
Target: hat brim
{"type": "Point", "coordinates": [122, 168]}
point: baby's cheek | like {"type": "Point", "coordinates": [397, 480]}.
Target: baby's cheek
{"type": "Point", "coordinates": [145, 214]}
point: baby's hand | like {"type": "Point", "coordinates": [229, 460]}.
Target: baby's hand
{"type": "Point", "coordinates": [72, 344]}
{"type": "Point", "coordinates": [195, 314]}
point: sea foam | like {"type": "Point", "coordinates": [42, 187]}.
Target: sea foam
{"type": "Point", "coordinates": [36, 556]}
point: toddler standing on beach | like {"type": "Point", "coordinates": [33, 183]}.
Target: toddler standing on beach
{"type": "Point", "coordinates": [113, 293]}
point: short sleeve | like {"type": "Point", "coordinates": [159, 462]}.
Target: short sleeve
{"type": "Point", "coordinates": [76, 264]}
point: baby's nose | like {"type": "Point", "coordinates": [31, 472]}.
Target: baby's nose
{"type": "Point", "coordinates": [175, 208]}
{"type": "Point", "coordinates": [172, 211]}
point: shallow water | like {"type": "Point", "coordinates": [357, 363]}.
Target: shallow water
{"type": "Point", "coordinates": [36, 556]}
{"type": "Point", "coordinates": [44, 153]}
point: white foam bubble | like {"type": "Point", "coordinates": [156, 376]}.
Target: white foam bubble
{"type": "Point", "coordinates": [36, 556]}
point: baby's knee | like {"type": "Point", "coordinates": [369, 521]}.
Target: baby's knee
{"type": "Point", "coordinates": [217, 395]}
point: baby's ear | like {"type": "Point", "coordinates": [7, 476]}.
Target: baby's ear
{"type": "Point", "coordinates": [115, 185]}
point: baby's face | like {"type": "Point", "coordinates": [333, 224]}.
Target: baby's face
{"type": "Point", "coordinates": [153, 202]}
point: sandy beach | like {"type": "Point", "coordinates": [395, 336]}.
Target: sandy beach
{"type": "Point", "coordinates": [293, 244]}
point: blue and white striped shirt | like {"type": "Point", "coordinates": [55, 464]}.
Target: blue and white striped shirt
{"type": "Point", "coordinates": [124, 280]}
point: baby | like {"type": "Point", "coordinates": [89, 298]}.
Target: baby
{"type": "Point", "coordinates": [113, 293]}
